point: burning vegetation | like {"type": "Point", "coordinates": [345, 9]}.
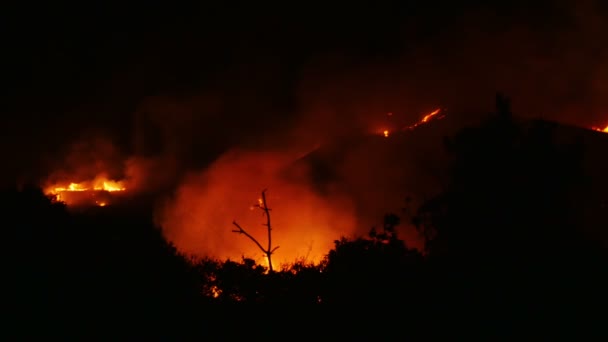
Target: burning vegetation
{"type": "Point", "coordinates": [436, 114]}
{"type": "Point", "coordinates": [470, 238]}
{"type": "Point", "coordinates": [505, 220]}
{"type": "Point", "coordinates": [95, 192]}
{"type": "Point", "coordinates": [197, 217]}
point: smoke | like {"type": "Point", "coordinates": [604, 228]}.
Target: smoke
{"type": "Point", "coordinates": [85, 160]}
{"type": "Point", "coordinates": [216, 146]}
{"type": "Point", "coordinates": [198, 218]}
{"type": "Point", "coordinates": [552, 61]}
{"type": "Point", "coordinates": [550, 69]}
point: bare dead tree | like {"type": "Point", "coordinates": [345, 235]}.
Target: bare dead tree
{"type": "Point", "coordinates": [269, 250]}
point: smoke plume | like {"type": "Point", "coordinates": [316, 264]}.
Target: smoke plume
{"type": "Point", "coordinates": [198, 219]}
{"type": "Point", "coordinates": [214, 147]}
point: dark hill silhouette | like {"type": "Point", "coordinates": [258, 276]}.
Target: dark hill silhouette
{"type": "Point", "coordinates": [512, 249]}
{"type": "Point", "coordinates": [509, 230]}
{"type": "Point", "coordinates": [89, 273]}
{"type": "Point", "coordinates": [379, 173]}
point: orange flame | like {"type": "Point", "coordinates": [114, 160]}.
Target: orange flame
{"type": "Point", "coordinates": [96, 185]}
{"type": "Point", "coordinates": [99, 184]}
{"type": "Point", "coordinates": [434, 115]}
{"type": "Point", "coordinates": [605, 129]}
{"type": "Point", "coordinates": [429, 116]}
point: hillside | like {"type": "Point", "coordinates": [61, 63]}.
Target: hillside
{"type": "Point", "coordinates": [380, 172]}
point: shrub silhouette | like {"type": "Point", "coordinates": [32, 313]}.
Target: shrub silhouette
{"type": "Point", "coordinates": [71, 273]}
{"type": "Point", "coordinates": [505, 233]}
{"type": "Point", "coordinates": [378, 269]}
{"type": "Point", "coordinates": [505, 244]}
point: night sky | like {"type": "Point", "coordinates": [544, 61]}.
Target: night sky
{"type": "Point", "coordinates": [196, 79]}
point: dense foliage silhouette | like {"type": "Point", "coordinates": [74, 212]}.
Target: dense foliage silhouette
{"type": "Point", "coordinates": [91, 272]}
{"type": "Point", "coordinates": [506, 233]}
{"type": "Point", "coordinates": [505, 249]}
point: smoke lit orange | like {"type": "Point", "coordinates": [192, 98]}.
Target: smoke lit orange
{"type": "Point", "coordinates": [198, 218]}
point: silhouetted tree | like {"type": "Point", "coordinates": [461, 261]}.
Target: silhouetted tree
{"type": "Point", "coordinates": [268, 251]}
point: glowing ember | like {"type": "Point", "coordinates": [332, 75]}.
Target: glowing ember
{"type": "Point", "coordinates": [605, 129]}
{"type": "Point", "coordinates": [215, 291]}
{"type": "Point", "coordinates": [434, 115]}
{"type": "Point", "coordinates": [385, 133]}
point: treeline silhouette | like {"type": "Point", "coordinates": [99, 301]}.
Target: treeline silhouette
{"type": "Point", "coordinates": [505, 256]}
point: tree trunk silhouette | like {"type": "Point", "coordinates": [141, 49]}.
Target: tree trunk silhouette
{"type": "Point", "coordinates": [269, 250]}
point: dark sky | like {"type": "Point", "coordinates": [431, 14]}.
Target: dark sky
{"type": "Point", "coordinates": [96, 69]}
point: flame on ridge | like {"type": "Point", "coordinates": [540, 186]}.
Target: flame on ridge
{"type": "Point", "coordinates": [434, 115]}
{"type": "Point", "coordinates": [109, 186]}
{"type": "Point", "coordinates": [67, 192]}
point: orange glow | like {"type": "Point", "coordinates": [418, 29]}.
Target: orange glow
{"type": "Point", "coordinates": [434, 115]}
{"type": "Point", "coordinates": [111, 186]}
{"type": "Point", "coordinates": [605, 129]}
{"type": "Point", "coordinates": [429, 116]}
{"type": "Point", "coordinates": [67, 191]}
{"type": "Point", "coordinates": [99, 184]}
{"type": "Point", "coordinates": [198, 218]}
{"type": "Point", "coordinates": [215, 291]}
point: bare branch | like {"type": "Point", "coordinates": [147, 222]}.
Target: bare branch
{"type": "Point", "coordinates": [242, 231]}
{"type": "Point", "coordinates": [265, 211]}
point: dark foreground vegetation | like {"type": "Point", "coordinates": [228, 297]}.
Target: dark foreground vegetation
{"type": "Point", "coordinates": [508, 254]}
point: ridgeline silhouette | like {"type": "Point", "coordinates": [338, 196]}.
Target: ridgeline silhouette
{"type": "Point", "coordinates": [506, 252]}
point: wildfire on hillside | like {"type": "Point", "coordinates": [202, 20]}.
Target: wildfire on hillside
{"type": "Point", "coordinates": [306, 222]}
{"type": "Point", "coordinates": [197, 218]}
{"type": "Point", "coordinates": [92, 192]}
{"type": "Point", "coordinates": [436, 114]}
